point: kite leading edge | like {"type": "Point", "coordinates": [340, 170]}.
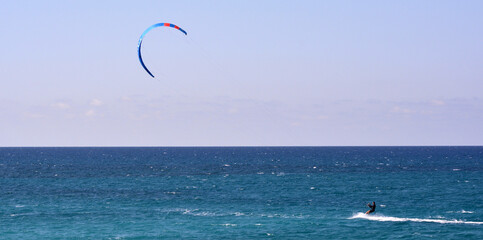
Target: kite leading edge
{"type": "Point", "coordinates": [145, 32]}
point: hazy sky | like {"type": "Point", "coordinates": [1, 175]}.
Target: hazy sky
{"type": "Point", "coordinates": [250, 73]}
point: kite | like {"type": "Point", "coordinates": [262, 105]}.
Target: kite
{"type": "Point", "coordinates": [145, 32]}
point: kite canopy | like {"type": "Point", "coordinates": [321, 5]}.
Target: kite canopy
{"type": "Point", "coordinates": [145, 32]}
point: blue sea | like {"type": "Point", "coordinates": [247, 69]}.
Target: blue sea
{"type": "Point", "coordinates": [241, 193]}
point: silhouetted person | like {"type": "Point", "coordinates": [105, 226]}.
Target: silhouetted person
{"type": "Point", "coordinates": [372, 206]}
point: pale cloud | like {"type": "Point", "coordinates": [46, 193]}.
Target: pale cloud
{"type": "Point", "coordinates": [139, 117]}
{"type": "Point", "coordinates": [397, 109]}
{"type": "Point", "coordinates": [90, 113]}
{"type": "Point", "coordinates": [34, 115]}
{"type": "Point", "coordinates": [126, 98]}
{"type": "Point", "coordinates": [96, 102]}
{"type": "Point", "coordinates": [233, 110]}
{"type": "Point", "coordinates": [437, 102]}
{"type": "Point", "coordinates": [61, 105]}
{"type": "Point", "coordinates": [267, 123]}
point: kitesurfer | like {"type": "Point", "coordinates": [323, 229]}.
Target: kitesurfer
{"type": "Point", "coordinates": [372, 206]}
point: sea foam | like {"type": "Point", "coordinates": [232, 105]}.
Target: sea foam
{"type": "Point", "coordinates": [382, 218]}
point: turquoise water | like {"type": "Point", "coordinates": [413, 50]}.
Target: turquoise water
{"type": "Point", "coordinates": [241, 193]}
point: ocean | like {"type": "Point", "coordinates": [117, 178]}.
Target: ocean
{"type": "Point", "coordinates": [241, 193]}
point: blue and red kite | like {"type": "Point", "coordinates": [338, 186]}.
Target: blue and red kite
{"type": "Point", "coordinates": [145, 32]}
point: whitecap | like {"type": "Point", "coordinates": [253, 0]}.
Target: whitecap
{"type": "Point", "coordinates": [196, 212]}
{"type": "Point", "coordinates": [383, 218]}
{"type": "Point", "coordinates": [282, 216]}
{"type": "Point", "coordinates": [228, 225]}
{"type": "Point", "coordinates": [172, 193]}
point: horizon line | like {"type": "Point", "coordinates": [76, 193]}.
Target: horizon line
{"type": "Point", "coordinates": [230, 146]}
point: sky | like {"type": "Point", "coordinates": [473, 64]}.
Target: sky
{"type": "Point", "coordinates": [249, 73]}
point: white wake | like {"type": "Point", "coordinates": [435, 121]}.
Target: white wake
{"type": "Point", "coordinates": [382, 218]}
